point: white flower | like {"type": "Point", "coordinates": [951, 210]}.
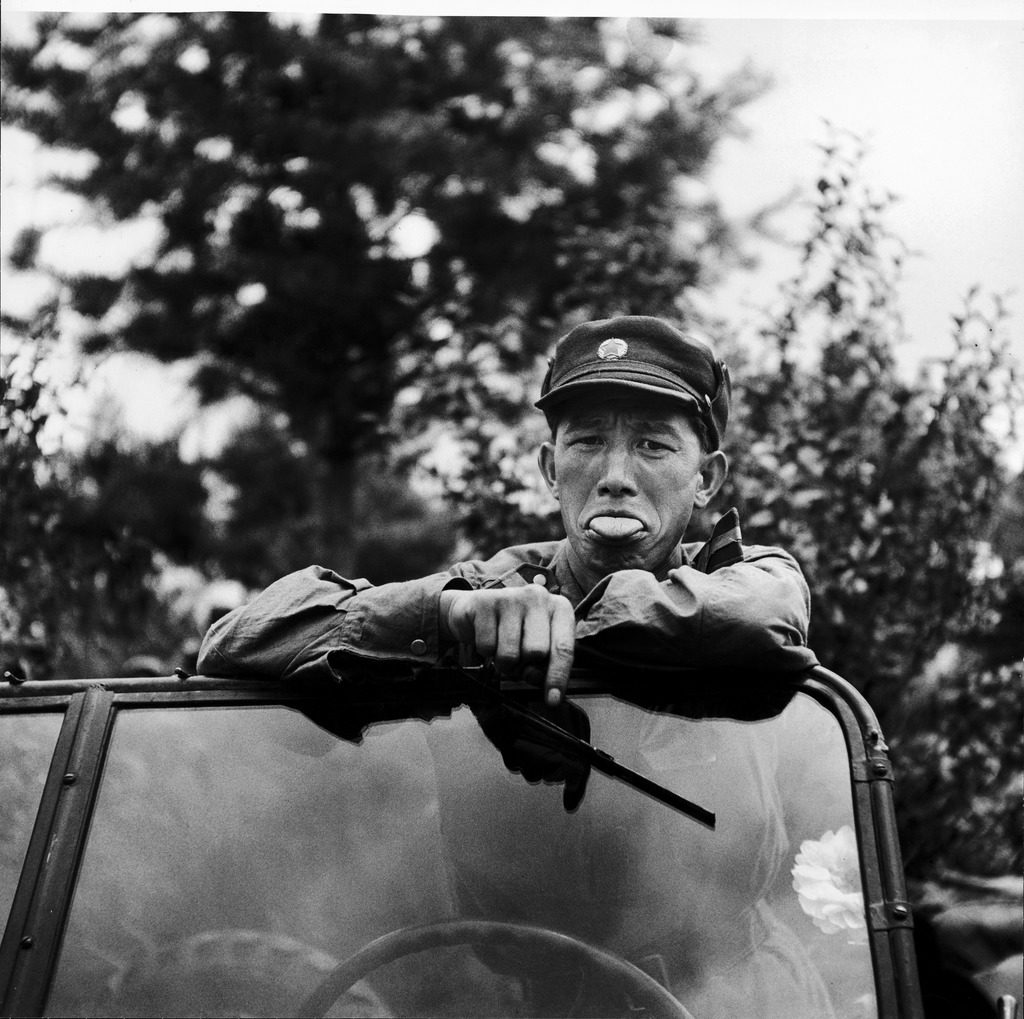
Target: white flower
{"type": "Point", "coordinates": [826, 878]}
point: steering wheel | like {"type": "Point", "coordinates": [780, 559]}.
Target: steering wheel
{"type": "Point", "coordinates": [642, 988]}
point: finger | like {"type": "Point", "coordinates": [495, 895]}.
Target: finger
{"type": "Point", "coordinates": [563, 643]}
{"type": "Point", "coordinates": [510, 635]}
{"type": "Point", "coordinates": [536, 638]}
{"type": "Point", "coordinates": [534, 674]}
{"type": "Point", "coordinates": [485, 628]}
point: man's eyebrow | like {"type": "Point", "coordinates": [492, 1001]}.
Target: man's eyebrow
{"type": "Point", "coordinates": [659, 426]}
{"type": "Point", "coordinates": [654, 425]}
{"type": "Point", "coordinates": [578, 423]}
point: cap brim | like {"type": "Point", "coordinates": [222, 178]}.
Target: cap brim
{"type": "Point", "coordinates": [568, 390]}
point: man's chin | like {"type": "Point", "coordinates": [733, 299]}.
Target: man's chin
{"type": "Point", "coordinates": [604, 557]}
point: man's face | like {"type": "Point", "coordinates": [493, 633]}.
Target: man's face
{"type": "Point", "coordinates": [627, 471]}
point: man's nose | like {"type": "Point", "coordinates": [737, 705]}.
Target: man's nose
{"type": "Point", "coordinates": [617, 473]}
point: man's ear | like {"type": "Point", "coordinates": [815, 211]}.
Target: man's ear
{"type": "Point", "coordinates": [713, 470]}
{"type": "Point", "coordinates": [546, 462]}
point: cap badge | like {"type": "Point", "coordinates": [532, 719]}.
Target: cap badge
{"type": "Point", "coordinates": [612, 349]}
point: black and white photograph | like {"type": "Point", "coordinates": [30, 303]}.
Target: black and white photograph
{"type": "Point", "coordinates": [512, 511]}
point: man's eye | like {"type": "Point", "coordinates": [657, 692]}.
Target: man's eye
{"type": "Point", "coordinates": [584, 440]}
{"type": "Point", "coordinates": [653, 446]}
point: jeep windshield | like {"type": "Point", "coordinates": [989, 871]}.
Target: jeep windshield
{"type": "Point", "coordinates": [245, 849]}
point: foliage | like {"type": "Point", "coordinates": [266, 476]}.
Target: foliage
{"type": "Point", "coordinates": [959, 745]}
{"type": "Point", "coordinates": [889, 493]}
{"type": "Point", "coordinates": [883, 489]}
{"type": "Point", "coordinates": [265, 525]}
{"type": "Point", "coordinates": [90, 537]}
{"type": "Point", "coordinates": [344, 204]}
{"type": "Point", "coordinates": [488, 471]}
{"type": "Point", "coordinates": [83, 535]}
{"type": "Point", "coordinates": [960, 753]}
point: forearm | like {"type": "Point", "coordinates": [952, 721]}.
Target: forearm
{"type": "Point", "coordinates": [753, 614]}
{"type": "Point", "coordinates": [316, 621]}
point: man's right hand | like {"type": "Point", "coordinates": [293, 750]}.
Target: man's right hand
{"type": "Point", "coordinates": [517, 627]}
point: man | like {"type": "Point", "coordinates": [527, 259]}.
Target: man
{"type": "Point", "coordinates": [637, 411]}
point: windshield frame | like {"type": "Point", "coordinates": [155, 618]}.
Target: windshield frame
{"type": "Point", "coordinates": [32, 940]}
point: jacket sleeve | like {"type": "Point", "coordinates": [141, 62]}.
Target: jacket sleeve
{"type": "Point", "coordinates": [752, 614]}
{"type": "Point", "coordinates": [317, 622]}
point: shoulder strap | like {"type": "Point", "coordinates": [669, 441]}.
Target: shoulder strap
{"type": "Point", "coordinates": [724, 547]}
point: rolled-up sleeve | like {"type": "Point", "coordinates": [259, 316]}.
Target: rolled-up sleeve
{"type": "Point", "coordinates": [314, 621]}
{"type": "Point", "coordinates": [752, 614]}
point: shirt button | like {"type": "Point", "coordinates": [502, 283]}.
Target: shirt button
{"type": "Point", "coordinates": [418, 647]}
{"type": "Point", "coordinates": [540, 579]}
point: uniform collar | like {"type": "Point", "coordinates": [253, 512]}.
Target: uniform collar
{"type": "Point", "coordinates": [723, 548]}
{"type": "Point", "coordinates": [570, 586]}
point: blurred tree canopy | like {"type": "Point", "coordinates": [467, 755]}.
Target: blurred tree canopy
{"type": "Point", "coordinates": [82, 535]}
{"type": "Point", "coordinates": [893, 495]}
{"type": "Point", "coordinates": [91, 538]}
{"type": "Point", "coordinates": [345, 204]}
{"type": "Point", "coordinates": [269, 528]}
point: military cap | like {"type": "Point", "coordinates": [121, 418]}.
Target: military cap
{"type": "Point", "coordinates": [644, 353]}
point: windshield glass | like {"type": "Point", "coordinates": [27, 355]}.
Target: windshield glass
{"type": "Point", "coordinates": [237, 856]}
{"type": "Point", "coordinates": [26, 747]}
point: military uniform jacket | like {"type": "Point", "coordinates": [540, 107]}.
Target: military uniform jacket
{"type": "Point", "coordinates": [720, 605]}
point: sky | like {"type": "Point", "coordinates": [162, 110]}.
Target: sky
{"type": "Point", "coordinates": [935, 89]}
{"type": "Point", "coordinates": [940, 104]}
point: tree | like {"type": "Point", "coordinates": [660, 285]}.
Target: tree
{"type": "Point", "coordinates": [265, 527]}
{"type": "Point", "coordinates": [884, 489]}
{"type": "Point", "coordinates": [83, 535]}
{"type": "Point", "coordinates": [107, 551]}
{"type": "Point", "coordinates": [347, 207]}
{"type": "Point", "coordinates": [889, 492]}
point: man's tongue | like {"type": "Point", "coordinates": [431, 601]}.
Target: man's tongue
{"type": "Point", "coordinates": [615, 528]}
